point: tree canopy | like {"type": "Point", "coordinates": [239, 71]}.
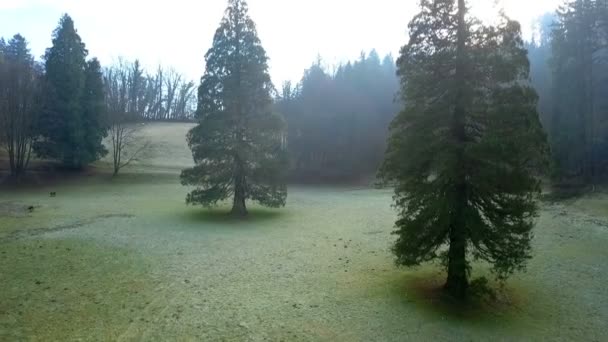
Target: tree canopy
{"type": "Point", "coordinates": [462, 150]}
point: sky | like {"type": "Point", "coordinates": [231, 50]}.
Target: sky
{"type": "Point", "coordinates": [177, 33]}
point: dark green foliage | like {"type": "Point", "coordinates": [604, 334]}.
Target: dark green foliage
{"type": "Point", "coordinates": [19, 102]}
{"type": "Point", "coordinates": [238, 145]}
{"type": "Point", "coordinates": [462, 150]}
{"type": "Point", "coordinates": [338, 122]}
{"type": "Point", "coordinates": [94, 114]}
{"type": "Point", "coordinates": [71, 122]}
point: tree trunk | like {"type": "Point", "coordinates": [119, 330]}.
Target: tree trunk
{"type": "Point", "coordinates": [11, 158]}
{"type": "Point", "coordinates": [457, 282]}
{"type": "Point", "coordinates": [238, 204]}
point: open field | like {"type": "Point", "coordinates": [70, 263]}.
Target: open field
{"type": "Point", "coordinates": [126, 259]}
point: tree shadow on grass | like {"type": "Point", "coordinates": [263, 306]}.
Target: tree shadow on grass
{"type": "Point", "coordinates": [223, 216]}
{"type": "Point", "coordinates": [427, 293]}
{"type": "Point", "coordinates": [424, 290]}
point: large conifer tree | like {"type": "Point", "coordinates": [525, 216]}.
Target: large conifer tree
{"type": "Point", "coordinates": [237, 145]}
{"type": "Point", "coordinates": [70, 123]}
{"type": "Point", "coordinates": [462, 149]}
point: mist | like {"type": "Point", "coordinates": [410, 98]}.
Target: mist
{"type": "Point", "coordinates": [303, 170]}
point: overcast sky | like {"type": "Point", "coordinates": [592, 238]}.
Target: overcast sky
{"type": "Point", "coordinates": [177, 33]}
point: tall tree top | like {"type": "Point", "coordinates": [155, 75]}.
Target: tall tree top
{"type": "Point", "coordinates": [65, 60]}
{"type": "Point", "coordinates": [65, 36]}
{"type": "Point", "coordinates": [237, 28]}
{"type": "Point", "coordinates": [236, 61]}
{"type": "Point", "coordinates": [16, 49]}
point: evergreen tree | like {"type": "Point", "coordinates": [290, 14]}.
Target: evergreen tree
{"type": "Point", "coordinates": [237, 145]}
{"type": "Point", "coordinates": [94, 116]}
{"type": "Point", "coordinates": [71, 101]}
{"type": "Point", "coordinates": [461, 151]}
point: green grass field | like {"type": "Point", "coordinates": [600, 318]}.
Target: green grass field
{"type": "Point", "coordinates": [125, 259]}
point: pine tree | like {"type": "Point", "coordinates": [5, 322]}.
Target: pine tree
{"type": "Point", "coordinates": [462, 150]}
{"type": "Point", "coordinates": [66, 115]}
{"type": "Point", "coordinates": [237, 145]}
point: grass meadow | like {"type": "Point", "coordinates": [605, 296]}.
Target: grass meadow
{"type": "Point", "coordinates": [125, 258]}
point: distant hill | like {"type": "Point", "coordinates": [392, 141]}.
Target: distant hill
{"type": "Point", "coordinates": [168, 149]}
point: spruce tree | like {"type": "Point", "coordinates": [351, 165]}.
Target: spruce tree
{"type": "Point", "coordinates": [237, 145]}
{"type": "Point", "coordinates": [64, 120]}
{"type": "Point", "coordinates": [462, 150]}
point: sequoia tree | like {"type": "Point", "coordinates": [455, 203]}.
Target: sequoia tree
{"type": "Point", "coordinates": [71, 122]}
{"type": "Point", "coordinates": [463, 150]}
{"type": "Point", "coordinates": [238, 144]}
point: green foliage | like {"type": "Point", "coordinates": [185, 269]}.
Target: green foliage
{"type": "Point", "coordinates": [462, 151]}
{"type": "Point", "coordinates": [94, 112]}
{"type": "Point", "coordinates": [238, 145]}
{"type": "Point", "coordinates": [71, 123]}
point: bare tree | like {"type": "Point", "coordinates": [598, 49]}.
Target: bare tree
{"type": "Point", "coordinates": [123, 130]}
{"type": "Point", "coordinates": [19, 102]}
{"type": "Point", "coordinates": [172, 83]}
{"type": "Point", "coordinates": [163, 95]}
{"type": "Point", "coordinates": [186, 101]}
{"type": "Point", "coordinates": [127, 145]}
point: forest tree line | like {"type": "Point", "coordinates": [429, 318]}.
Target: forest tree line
{"type": "Point", "coordinates": [338, 120]}
{"type": "Point", "coordinates": [569, 61]}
